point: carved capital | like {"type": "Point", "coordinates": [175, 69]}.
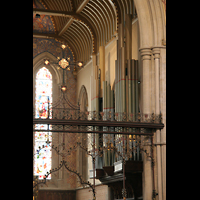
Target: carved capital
{"type": "Point", "coordinates": [145, 53]}
{"type": "Point", "coordinates": [156, 52]}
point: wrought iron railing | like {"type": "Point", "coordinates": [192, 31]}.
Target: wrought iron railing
{"type": "Point", "coordinates": [69, 114]}
{"type": "Point", "coordinates": [122, 134]}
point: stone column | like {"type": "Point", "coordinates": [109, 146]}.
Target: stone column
{"type": "Point", "coordinates": [146, 62]}
{"type": "Point", "coordinates": [163, 111]}
{"type": "Point", "coordinates": [156, 53]}
{"type": "Point", "coordinates": [145, 86]}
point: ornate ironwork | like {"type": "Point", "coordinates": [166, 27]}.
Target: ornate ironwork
{"type": "Point", "coordinates": [36, 182]}
{"type": "Point", "coordinates": [63, 109]}
{"type": "Point", "coordinates": [64, 163]}
{"type": "Point", "coordinates": [65, 120]}
{"type": "Point", "coordinates": [124, 193]}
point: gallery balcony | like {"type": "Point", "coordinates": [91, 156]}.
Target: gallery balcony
{"type": "Point", "coordinates": [74, 121]}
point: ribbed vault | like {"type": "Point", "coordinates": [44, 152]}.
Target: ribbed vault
{"type": "Point", "coordinates": [83, 24]}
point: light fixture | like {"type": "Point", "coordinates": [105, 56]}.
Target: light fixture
{"type": "Point", "coordinates": [63, 63]}
{"type": "Point", "coordinates": [80, 64]}
{"type": "Point", "coordinates": [46, 62]}
{"type": "Point", "coordinates": [63, 88]}
{"type": "Point", "coordinates": [63, 46]}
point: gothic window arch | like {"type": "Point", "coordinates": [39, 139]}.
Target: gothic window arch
{"type": "Point", "coordinates": [43, 101]}
{"type": "Point", "coordinates": [81, 155]}
{"type": "Point", "coordinates": [43, 93]}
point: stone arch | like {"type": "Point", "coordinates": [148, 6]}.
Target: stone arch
{"type": "Point", "coordinates": [83, 99]}
{"type": "Point", "coordinates": [38, 62]}
{"type": "Point", "coordinates": [82, 161]}
{"type": "Point", "coordinates": [152, 21]}
{"type": "Point", "coordinates": [152, 27]}
{"type": "Point", "coordinates": [145, 23]}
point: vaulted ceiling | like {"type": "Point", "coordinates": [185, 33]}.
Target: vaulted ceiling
{"type": "Point", "coordinates": [82, 24]}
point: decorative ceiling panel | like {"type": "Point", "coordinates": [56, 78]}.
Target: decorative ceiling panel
{"type": "Point", "coordinates": [82, 24]}
{"type": "Point", "coordinates": [44, 24]}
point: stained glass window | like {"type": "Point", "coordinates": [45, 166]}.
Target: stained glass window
{"type": "Point", "coordinates": [43, 101]}
{"type": "Point", "coordinates": [43, 93]}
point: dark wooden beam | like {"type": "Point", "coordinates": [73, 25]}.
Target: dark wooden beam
{"type": "Point", "coordinates": [48, 36]}
{"type": "Point", "coordinates": [53, 12]}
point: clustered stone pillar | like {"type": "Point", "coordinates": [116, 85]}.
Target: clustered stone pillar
{"type": "Point", "coordinates": [151, 56]}
{"type": "Point", "coordinates": [145, 87]}
{"type": "Point", "coordinates": [156, 53]}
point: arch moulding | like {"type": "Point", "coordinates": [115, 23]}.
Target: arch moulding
{"type": "Point", "coordinates": [38, 62]}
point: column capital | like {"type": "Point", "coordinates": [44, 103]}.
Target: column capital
{"type": "Point", "coordinates": [156, 52]}
{"type": "Point", "coordinates": [145, 53]}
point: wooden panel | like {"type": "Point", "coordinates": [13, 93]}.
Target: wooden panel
{"type": "Point", "coordinates": [109, 170]}
{"type": "Point", "coordinates": [99, 173]}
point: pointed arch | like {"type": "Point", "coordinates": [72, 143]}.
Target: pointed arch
{"type": "Point", "coordinates": [151, 21]}
{"type": "Point", "coordinates": [38, 62]}
{"type": "Point", "coordinates": [43, 93]}
{"type": "Point", "coordinates": [83, 99]}
{"type": "Point", "coordinates": [43, 101]}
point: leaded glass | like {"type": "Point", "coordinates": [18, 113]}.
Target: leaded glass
{"type": "Point", "coordinates": [43, 101]}
{"type": "Point", "coordinates": [43, 96]}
